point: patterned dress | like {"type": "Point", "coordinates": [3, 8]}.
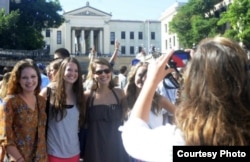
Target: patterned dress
{"type": "Point", "coordinates": [19, 125]}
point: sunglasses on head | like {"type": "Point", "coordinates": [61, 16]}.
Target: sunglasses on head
{"type": "Point", "coordinates": [99, 72]}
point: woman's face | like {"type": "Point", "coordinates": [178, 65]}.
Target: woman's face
{"type": "Point", "coordinates": [102, 74]}
{"type": "Point", "coordinates": [51, 73]}
{"type": "Point", "coordinates": [140, 76]}
{"type": "Point", "coordinates": [71, 73]}
{"type": "Point", "coordinates": [28, 79]}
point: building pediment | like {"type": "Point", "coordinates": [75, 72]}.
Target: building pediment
{"type": "Point", "coordinates": [87, 11]}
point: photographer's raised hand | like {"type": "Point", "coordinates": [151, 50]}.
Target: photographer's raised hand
{"type": "Point", "coordinates": [156, 72]}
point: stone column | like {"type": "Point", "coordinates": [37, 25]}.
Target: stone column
{"type": "Point", "coordinates": [83, 43]}
{"type": "Point", "coordinates": [91, 38]}
{"type": "Point", "coordinates": [73, 36]}
{"type": "Point", "coordinates": [100, 36]}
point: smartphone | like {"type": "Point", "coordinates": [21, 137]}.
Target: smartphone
{"type": "Point", "coordinates": [180, 58]}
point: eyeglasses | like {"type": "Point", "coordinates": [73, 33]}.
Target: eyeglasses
{"type": "Point", "coordinates": [99, 72]}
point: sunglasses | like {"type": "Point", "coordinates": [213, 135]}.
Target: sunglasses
{"type": "Point", "coordinates": [99, 72]}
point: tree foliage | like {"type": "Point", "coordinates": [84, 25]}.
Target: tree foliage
{"type": "Point", "coordinates": [34, 16]}
{"type": "Point", "coordinates": [237, 17]}
{"type": "Point", "coordinates": [195, 21]}
{"type": "Point", "coordinates": [7, 25]}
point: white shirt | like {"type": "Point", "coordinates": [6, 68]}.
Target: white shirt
{"type": "Point", "coordinates": [155, 120]}
{"type": "Point", "coordinates": [122, 81]}
{"type": "Point", "coordinates": [151, 145]}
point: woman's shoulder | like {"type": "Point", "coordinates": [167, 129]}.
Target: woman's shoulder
{"type": "Point", "coordinates": [120, 92]}
{"type": "Point", "coordinates": [40, 98]}
{"type": "Point", "coordinates": [52, 85]}
{"type": "Point", "coordinates": [10, 98]}
{"type": "Point", "coordinates": [87, 93]}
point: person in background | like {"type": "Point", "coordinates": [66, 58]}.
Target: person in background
{"type": "Point", "coordinates": [122, 77]}
{"type": "Point", "coordinates": [106, 108]}
{"type": "Point", "coordinates": [214, 107]}
{"type": "Point", "coordinates": [167, 89]}
{"type": "Point", "coordinates": [88, 83]}
{"type": "Point", "coordinates": [45, 79]}
{"type": "Point", "coordinates": [52, 68]}
{"type": "Point", "coordinates": [92, 54]}
{"type": "Point", "coordinates": [66, 112]}
{"type": "Point", "coordinates": [23, 115]}
{"type": "Point", "coordinates": [6, 69]}
{"type": "Point", "coordinates": [136, 79]}
{"type": "Point", "coordinates": [4, 87]}
{"type": "Point", "coordinates": [141, 55]}
{"type": "Point", "coordinates": [61, 53]}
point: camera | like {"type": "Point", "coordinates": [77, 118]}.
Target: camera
{"type": "Point", "coordinates": [177, 60]}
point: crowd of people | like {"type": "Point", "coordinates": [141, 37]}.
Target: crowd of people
{"type": "Point", "coordinates": [52, 113]}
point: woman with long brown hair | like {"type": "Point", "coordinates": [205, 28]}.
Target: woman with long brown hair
{"type": "Point", "coordinates": [214, 107]}
{"type": "Point", "coordinates": [66, 112]}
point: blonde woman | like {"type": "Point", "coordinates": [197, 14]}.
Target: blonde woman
{"type": "Point", "coordinates": [136, 79]}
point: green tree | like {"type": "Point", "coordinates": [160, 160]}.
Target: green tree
{"type": "Point", "coordinates": [237, 19]}
{"type": "Point", "coordinates": [194, 21]}
{"type": "Point", "coordinates": [7, 25]}
{"type": "Point", "coordinates": [34, 16]}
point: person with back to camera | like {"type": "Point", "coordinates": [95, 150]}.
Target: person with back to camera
{"type": "Point", "coordinates": [214, 108]}
{"type": "Point", "coordinates": [122, 76]}
{"type": "Point", "coordinates": [61, 53]}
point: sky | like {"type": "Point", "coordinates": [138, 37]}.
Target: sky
{"type": "Point", "coordinates": [124, 9]}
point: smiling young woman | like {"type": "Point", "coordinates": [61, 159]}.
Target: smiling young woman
{"type": "Point", "coordinates": [105, 113]}
{"type": "Point", "coordinates": [66, 112]}
{"type": "Point", "coordinates": [24, 114]}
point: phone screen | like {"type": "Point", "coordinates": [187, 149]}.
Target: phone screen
{"type": "Point", "coordinates": [180, 58]}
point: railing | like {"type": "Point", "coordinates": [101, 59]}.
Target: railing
{"type": "Point", "coordinates": [9, 57]}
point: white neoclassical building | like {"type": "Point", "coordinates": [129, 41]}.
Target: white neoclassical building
{"type": "Point", "coordinates": [87, 26]}
{"type": "Point", "coordinates": [169, 40]}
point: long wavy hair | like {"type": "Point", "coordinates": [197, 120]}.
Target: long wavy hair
{"type": "Point", "coordinates": [91, 71]}
{"type": "Point", "coordinates": [14, 86]}
{"type": "Point", "coordinates": [131, 91]}
{"type": "Point", "coordinates": [59, 105]}
{"type": "Point", "coordinates": [4, 85]}
{"type": "Point", "coordinates": [215, 103]}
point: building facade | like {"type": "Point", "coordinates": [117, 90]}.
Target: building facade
{"type": "Point", "coordinates": [169, 40]}
{"type": "Point", "coordinates": [87, 27]}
